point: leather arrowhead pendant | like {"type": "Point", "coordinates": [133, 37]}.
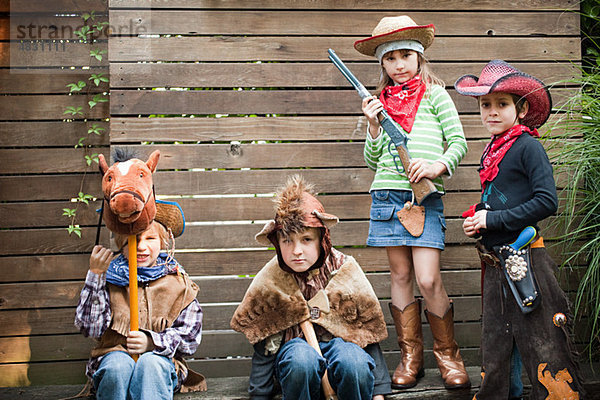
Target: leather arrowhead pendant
{"type": "Point", "coordinates": [412, 217]}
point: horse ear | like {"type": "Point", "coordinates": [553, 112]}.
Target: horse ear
{"type": "Point", "coordinates": [153, 160]}
{"type": "Point", "coordinates": [102, 165]}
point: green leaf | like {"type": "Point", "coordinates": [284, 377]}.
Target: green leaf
{"type": "Point", "coordinates": [76, 87]}
{"type": "Point", "coordinates": [74, 229]}
{"type": "Point", "coordinates": [80, 142]}
{"type": "Point", "coordinates": [97, 78]}
{"type": "Point", "coordinates": [69, 212]}
{"type": "Point", "coordinates": [95, 129]}
{"type": "Point", "coordinates": [92, 103]}
{"type": "Point", "coordinates": [73, 110]}
{"type": "Point", "coordinates": [97, 53]}
{"type": "Point", "coordinates": [83, 32]}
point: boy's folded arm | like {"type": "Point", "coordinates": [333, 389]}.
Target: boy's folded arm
{"type": "Point", "coordinates": [183, 337]}
{"type": "Point", "coordinates": [93, 313]}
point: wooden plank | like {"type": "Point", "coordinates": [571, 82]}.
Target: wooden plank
{"type": "Point", "coordinates": [74, 266]}
{"type": "Point", "coordinates": [324, 22]}
{"type": "Point", "coordinates": [28, 81]}
{"type": "Point", "coordinates": [44, 268]}
{"type": "Point", "coordinates": [51, 133]}
{"type": "Point", "coordinates": [59, 321]}
{"type": "Point", "coordinates": [132, 130]}
{"type": "Point", "coordinates": [386, 5]}
{"type": "Point", "coordinates": [46, 214]}
{"type": "Point", "coordinates": [49, 214]}
{"type": "Point", "coordinates": [55, 187]}
{"type": "Point", "coordinates": [232, 288]}
{"type": "Point", "coordinates": [284, 48]}
{"type": "Point", "coordinates": [39, 161]}
{"type": "Point", "coordinates": [57, 6]}
{"type": "Point", "coordinates": [44, 241]}
{"type": "Point", "coordinates": [34, 26]}
{"type": "Point", "coordinates": [50, 53]}
{"type": "Point", "coordinates": [348, 180]}
{"type": "Point", "coordinates": [212, 289]}
{"type": "Point", "coordinates": [47, 107]}
{"type": "Point", "coordinates": [183, 183]}
{"type": "Point", "coordinates": [294, 102]}
{"type": "Point", "coordinates": [130, 75]}
{"type": "Point", "coordinates": [215, 344]}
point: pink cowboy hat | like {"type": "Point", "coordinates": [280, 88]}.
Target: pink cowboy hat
{"type": "Point", "coordinates": [499, 76]}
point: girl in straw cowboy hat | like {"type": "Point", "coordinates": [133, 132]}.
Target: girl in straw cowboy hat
{"type": "Point", "coordinates": [523, 305]}
{"type": "Point", "coordinates": [418, 102]}
{"type": "Point", "coordinates": [170, 316]}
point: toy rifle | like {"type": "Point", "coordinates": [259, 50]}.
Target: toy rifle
{"type": "Point", "coordinates": [424, 187]}
{"type": "Point", "coordinates": [311, 338]}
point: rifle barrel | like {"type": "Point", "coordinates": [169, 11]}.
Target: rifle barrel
{"type": "Point", "coordinates": [362, 91]}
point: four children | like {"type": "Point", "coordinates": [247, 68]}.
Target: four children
{"type": "Point", "coordinates": [310, 280]}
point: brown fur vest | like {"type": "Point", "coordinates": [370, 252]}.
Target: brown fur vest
{"type": "Point", "coordinates": [159, 303]}
{"type": "Point", "coordinates": [348, 306]}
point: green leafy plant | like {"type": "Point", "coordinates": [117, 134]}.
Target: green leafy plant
{"type": "Point", "coordinates": [577, 132]}
{"type": "Point", "coordinates": [86, 34]}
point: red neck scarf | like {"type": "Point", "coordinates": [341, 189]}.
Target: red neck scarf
{"type": "Point", "coordinates": [402, 101]}
{"type": "Point", "coordinates": [497, 148]}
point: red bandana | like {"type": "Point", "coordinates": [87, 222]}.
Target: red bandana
{"type": "Point", "coordinates": [402, 101]}
{"type": "Point", "coordinates": [497, 148]}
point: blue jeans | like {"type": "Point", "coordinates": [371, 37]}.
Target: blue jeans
{"type": "Point", "coordinates": [516, 367]}
{"type": "Point", "coordinates": [121, 378]}
{"type": "Point", "coordinates": [299, 369]}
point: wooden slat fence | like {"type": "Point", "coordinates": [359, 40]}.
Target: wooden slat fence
{"type": "Point", "coordinates": [237, 95]}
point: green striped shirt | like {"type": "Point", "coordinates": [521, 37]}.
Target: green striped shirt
{"type": "Point", "coordinates": [436, 121]}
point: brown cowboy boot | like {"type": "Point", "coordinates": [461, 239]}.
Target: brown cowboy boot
{"type": "Point", "coordinates": [445, 350]}
{"type": "Point", "coordinates": [410, 340]}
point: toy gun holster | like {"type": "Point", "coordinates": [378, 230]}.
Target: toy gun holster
{"type": "Point", "coordinates": [515, 259]}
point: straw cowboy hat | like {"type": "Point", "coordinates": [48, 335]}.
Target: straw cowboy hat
{"type": "Point", "coordinates": [391, 29]}
{"type": "Point", "coordinates": [499, 76]}
{"type": "Point", "coordinates": [170, 214]}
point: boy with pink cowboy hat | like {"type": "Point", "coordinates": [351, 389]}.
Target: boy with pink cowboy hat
{"type": "Point", "coordinates": [523, 305]}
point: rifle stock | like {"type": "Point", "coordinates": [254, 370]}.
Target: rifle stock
{"type": "Point", "coordinates": [424, 187]}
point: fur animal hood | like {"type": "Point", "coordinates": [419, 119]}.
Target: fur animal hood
{"type": "Point", "coordinates": [347, 307]}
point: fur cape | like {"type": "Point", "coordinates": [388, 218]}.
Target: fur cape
{"type": "Point", "coordinates": [348, 306]}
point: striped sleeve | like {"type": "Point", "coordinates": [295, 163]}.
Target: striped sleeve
{"type": "Point", "coordinates": [373, 149]}
{"type": "Point", "coordinates": [451, 126]}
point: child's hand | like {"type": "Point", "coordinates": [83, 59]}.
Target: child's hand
{"type": "Point", "coordinates": [378, 397]}
{"type": "Point", "coordinates": [473, 224]}
{"type": "Point", "coordinates": [420, 168]}
{"type": "Point", "coordinates": [139, 343]}
{"type": "Point", "coordinates": [371, 107]}
{"type": "Point", "coordinates": [100, 259]}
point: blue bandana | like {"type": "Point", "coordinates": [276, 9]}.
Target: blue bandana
{"type": "Point", "coordinates": [118, 270]}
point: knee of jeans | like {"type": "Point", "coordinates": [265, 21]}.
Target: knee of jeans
{"type": "Point", "coordinates": [115, 365]}
{"type": "Point", "coordinates": [303, 362]}
{"type": "Point", "coordinates": [153, 363]}
{"type": "Point", "coordinates": [353, 361]}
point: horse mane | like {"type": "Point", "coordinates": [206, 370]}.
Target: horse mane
{"type": "Point", "coordinates": [121, 154]}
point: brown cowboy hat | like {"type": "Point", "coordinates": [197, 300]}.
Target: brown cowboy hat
{"type": "Point", "coordinates": [499, 76]}
{"type": "Point", "coordinates": [170, 214]}
{"type": "Point", "coordinates": [391, 29]}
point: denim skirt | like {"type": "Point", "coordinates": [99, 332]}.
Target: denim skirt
{"type": "Point", "coordinates": [385, 229]}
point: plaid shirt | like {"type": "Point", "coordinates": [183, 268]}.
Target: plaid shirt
{"type": "Point", "coordinates": [93, 317]}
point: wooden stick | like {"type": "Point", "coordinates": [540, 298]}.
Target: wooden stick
{"type": "Point", "coordinates": [310, 336]}
{"type": "Point", "coordinates": [134, 321]}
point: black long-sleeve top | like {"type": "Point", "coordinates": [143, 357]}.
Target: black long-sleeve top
{"type": "Point", "coordinates": [522, 194]}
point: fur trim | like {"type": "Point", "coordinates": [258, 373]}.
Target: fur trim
{"type": "Point", "coordinates": [289, 210]}
{"type": "Point", "coordinates": [274, 303]}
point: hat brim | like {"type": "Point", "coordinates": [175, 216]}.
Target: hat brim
{"type": "Point", "coordinates": [518, 83]}
{"type": "Point", "coordinates": [423, 34]}
{"type": "Point", "coordinates": [170, 214]}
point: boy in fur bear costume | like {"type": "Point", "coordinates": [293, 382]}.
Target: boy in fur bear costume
{"type": "Point", "coordinates": [310, 280]}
